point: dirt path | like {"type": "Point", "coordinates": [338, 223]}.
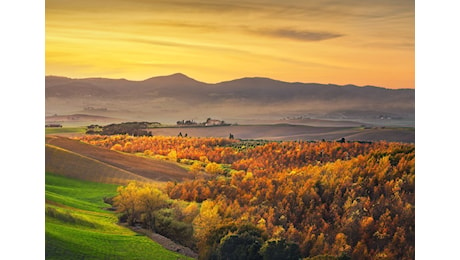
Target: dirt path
{"type": "Point", "coordinates": [149, 168]}
{"type": "Point", "coordinates": [165, 242]}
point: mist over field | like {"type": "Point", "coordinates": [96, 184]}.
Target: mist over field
{"type": "Point", "coordinates": [167, 99]}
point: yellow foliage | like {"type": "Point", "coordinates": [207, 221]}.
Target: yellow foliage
{"type": "Point", "coordinates": [214, 168]}
{"type": "Point", "coordinates": [128, 146]}
{"type": "Point", "coordinates": [137, 198]}
{"type": "Point", "coordinates": [172, 155]}
{"type": "Point", "coordinates": [262, 224]}
{"type": "Point", "coordinates": [191, 211]}
{"type": "Point", "coordinates": [248, 176]}
{"type": "Point", "coordinates": [117, 147]}
{"type": "Point", "coordinates": [204, 159]}
{"type": "Point", "coordinates": [196, 166]}
{"type": "Point", "coordinates": [207, 220]}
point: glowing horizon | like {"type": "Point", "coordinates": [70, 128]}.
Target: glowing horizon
{"type": "Point", "coordinates": [295, 41]}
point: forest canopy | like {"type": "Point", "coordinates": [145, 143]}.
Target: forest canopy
{"type": "Point", "coordinates": [346, 200]}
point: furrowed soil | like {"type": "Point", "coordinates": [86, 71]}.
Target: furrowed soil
{"type": "Point", "coordinates": [155, 170]}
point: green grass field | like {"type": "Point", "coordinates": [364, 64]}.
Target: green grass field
{"type": "Point", "coordinates": [60, 130]}
{"type": "Point", "coordinates": [78, 227]}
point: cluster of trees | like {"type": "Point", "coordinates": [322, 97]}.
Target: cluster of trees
{"type": "Point", "coordinates": [241, 154]}
{"type": "Point", "coordinates": [93, 129]}
{"type": "Point", "coordinates": [129, 128]}
{"type": "Point", "coordinates": [362, 207]}
{"type": "Point", "coordinates": [217, 150]}
{"type": "Point", "coordinates": [145, 205]}
{"type": "Point", "coordinates": [186, 123]}
{"type": "Point", "coordinates": [341, 199]}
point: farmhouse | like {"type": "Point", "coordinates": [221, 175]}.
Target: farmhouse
{"type": "Point", "coordinates": [213, 122]}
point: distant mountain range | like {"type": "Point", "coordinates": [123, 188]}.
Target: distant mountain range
{"type": "Point", "coordinates": [177, 97]}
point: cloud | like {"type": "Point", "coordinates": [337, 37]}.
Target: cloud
{"type": "Point", "coordinates": [302, 35]}
{"type": "Point", "coordinates": [185, 45]}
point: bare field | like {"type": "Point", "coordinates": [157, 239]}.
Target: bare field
{"type": "Point", "coordinates": [64, 162]}
{"type": "Point", "coordinates": [294, 132]}
{"type": "Point", "coordinates": [130, 165]}
{"type": "Point", "coordinates": [286, 132]}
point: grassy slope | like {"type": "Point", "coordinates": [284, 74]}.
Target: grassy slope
{"type": "Point", "coordinates": [77, 227]}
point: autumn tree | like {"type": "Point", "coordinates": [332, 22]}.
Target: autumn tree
{"type": "Point", "coordinates": [207, 220]}
{"type": "Point", "coordinates": [340, 245]}
{"type": "Point", "coordinates": [126, 202]}
{"type": "Point", "coordinates": [214, 168]}
{"type": "Point", "coordinates": [117, 147]}
{"type": "Point", "coordinates": [196, 166]}
{"type": "Point", "coordinates": [138, 203]}
{"type": "Point", "coordinates": [150, 200]}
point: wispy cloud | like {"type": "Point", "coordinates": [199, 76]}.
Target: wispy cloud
{"type": "Point", "coordinates": [302, 35]}
{"type": "Point", "coordinates": [164, 43]}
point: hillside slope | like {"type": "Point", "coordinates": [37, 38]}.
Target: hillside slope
{"type": "Point", "coordinates": [79, 160]}
{"type": "Point", "coordinates": [70, 164]}
{"type": "Point", "coordinates": [77, 227]}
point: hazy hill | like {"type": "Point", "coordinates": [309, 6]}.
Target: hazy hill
{"type": "Point", "coordinates": [176, 97]}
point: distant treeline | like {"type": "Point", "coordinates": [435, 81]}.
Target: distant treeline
{"type": "Point", "coordinates": [53, 125]}
{"type": "Point", "coordinates": [209, 122]}
{"type": "Point", "coordinates": [130, 128]}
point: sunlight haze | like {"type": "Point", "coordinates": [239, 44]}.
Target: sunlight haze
{"type": "Point", "coordinates": [339, 42]}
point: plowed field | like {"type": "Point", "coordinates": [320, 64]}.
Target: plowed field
{"type": "Point", "coordinates": [155, 170]}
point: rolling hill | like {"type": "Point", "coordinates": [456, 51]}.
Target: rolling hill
{"type": "Point", "coordinates": [78, 177]}
{"type": "Point", "coordinates": [86, 162]}
{"type": "Point", "coordinates": [78, 227]}
{"type": "Point", "coordinates": [175, 97]}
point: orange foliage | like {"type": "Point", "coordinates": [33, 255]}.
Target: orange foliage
{"type": "Point", "coordinates": [328, 197]}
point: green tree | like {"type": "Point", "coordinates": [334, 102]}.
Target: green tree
{"type": "Point", "coordinates": [279, 249]}
{"type": "Point", "coordinates": [245, 244]}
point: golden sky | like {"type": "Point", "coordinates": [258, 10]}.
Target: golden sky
{"type": "Point", "coordinates": [359, 42]}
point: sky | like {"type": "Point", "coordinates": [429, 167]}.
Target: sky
{"type": "Point", "coordinates": [359, 42]}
